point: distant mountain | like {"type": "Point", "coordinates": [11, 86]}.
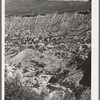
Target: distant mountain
{"type": "Point", "coordinates": [23, 7]}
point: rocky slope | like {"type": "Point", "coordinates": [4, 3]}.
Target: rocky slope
{"type": "Point", "coordinates": [45, 54]}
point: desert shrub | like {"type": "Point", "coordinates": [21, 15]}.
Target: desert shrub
{"type": "Point", "coordinates": [78, 91]}
{"type": "Point", "coordinates": [14, 90]}
{"type": "Point", "coordinates": [76, 59]}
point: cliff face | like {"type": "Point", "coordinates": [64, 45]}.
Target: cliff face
{"type": "Point", "coordinates": [46, 55]}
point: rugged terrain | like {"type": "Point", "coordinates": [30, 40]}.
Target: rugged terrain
{"type": "Point", "coordinates": [45, 56]}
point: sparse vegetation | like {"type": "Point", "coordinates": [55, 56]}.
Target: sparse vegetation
{"type": "Point", "coordinates": [14, 90]}
{"type": "Point", "coordinates": [47, 53]}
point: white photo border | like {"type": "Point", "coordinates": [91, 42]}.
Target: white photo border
{"type": "Point", "coordinates": [95, 50]}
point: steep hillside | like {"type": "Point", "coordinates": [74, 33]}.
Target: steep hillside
{"type": "Point", "coordinates": [46, 56]}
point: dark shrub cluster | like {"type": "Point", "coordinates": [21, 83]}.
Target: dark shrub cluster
{"type": "Point", "coordinates": [14, 90]}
